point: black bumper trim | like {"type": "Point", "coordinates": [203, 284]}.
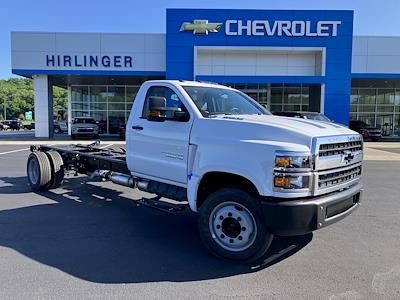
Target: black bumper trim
{"type": "Point", "coordinates": [301, 216]}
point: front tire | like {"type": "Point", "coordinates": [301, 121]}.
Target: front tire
{"type": "Point", "coordinates": [232, 226]}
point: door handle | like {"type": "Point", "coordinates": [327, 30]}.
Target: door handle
{"type": "Point", "coordinates": [137, 127]}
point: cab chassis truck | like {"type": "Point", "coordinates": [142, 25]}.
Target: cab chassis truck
{"type": "Point", "coordinates": [248, 174]}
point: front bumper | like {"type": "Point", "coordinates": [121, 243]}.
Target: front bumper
{"type": "Point", "coordinates": [300, 216]}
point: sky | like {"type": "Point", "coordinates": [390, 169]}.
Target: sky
{"type": "Point", "coordinates": [371, 17]}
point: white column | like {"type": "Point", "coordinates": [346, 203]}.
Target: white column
{"type": "Point", "coordinates": [322, 106]}
{"type": "Point", "coordinates": [43, 107]}
{"type": "Point", "coordinates": [69, 110]}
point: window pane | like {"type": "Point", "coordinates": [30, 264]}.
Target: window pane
{"type": "Point", "coordinates": [275, 108]}
{"type": "Point", "coordinates": [172, 99]}
{"type": "Point", "coordinates": [276, 95]}
{"type": "Point", "coordinates": [292, 107]}
{"type": "Point", "coordinates": [397, 125]}
{"type": "Point", "coordinates": [89, 106]}
{"type": "Point", "coordinates": [79, 94]}
{"type": "Point", "coordinates": [367, 118]}
{"type": "Point", "coordinates": [353, 108]}
{"type": "Point", "coordinates": [116, 94]}
{"type": "Point", "coordinates": [353, 116]}
{"type": "Point", "coordinates": [366, 108]}
{"type": "Point", "coordinates": [385, 96]}
{"type": "Point", "coordinates": [116, 106]}
{"type": "Point", "coordinates": [292, 95]}
{"type": "Point", "coordinates": [385, 122]}
{"type": "Point", "coordinates": [115, 120]}
{"type": "Point", "coordinates": [354, 96]}
{"type": "Point", "coordinates": [98, 94]}
{"type": "Point", "coordinates": [305, 94]}
{"type": "Point", "coordinates": [385, 108]}
{"type": "Point", "coordinates": [367, 96]}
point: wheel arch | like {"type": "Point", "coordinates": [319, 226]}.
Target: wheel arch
{"type": "Point", "coordinates": [213, 180]}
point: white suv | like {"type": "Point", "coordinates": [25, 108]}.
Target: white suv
{"type": "Point", "coordinates": [84, 127]}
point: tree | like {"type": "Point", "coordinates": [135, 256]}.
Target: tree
{"type": "Point", "coordinates": [17, 94]}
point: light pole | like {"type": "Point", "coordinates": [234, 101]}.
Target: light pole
{"type": "Point", "coordinates": [5, 109]}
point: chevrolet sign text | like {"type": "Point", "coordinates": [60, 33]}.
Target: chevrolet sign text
{"type": "Point", "coordinates": [282, 28]}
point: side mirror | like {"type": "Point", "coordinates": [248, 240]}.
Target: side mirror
{"type": "Point", "coordinates": [158, 111]}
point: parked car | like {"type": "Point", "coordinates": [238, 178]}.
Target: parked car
{"type": "Point", "coordinates": [367, 131]}
{"type": "Point", "coordinates": [16, 124]}
{"type": "Point", "coordinates": [304, 115]}
{"type": "Point", "coordinates": [84, 127]}
{"type": "Point", "coordinates": [30, 126]}
{"type": "Point", "coordinates": [4, 126]}
{"type": "Point", "coordinates": [60, 127]}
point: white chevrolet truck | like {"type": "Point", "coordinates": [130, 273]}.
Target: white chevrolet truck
{"type": "Point", "coordinates": [248, 174]}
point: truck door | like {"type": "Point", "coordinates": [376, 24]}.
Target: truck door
{"type": "Point", "coordinates": [159, 150]}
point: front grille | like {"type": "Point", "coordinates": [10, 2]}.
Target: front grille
{"type": "Point", "coordinates": [338, 177]}
{"type": "Point", "coordinates": [339, 148]}
{"type": "Point", "coordinates": [85, 130]}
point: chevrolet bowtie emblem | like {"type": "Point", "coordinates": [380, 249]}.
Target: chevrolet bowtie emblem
{"type": "Point", "coordinates": [200, 27]}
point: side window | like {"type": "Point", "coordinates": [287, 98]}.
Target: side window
{"type": "Point", "coordinates": [170, 96]}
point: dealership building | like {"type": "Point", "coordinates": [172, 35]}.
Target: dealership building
{"type": "Point", "coordinates": [291, 60]}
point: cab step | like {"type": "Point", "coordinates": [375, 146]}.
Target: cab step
{"type": "Point", "coordinates": [163, 206]}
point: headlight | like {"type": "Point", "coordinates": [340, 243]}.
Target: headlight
{"type": "Point", "coordinates": [290, 181]}
{"type": "Point", "coordinates": [291, 160]}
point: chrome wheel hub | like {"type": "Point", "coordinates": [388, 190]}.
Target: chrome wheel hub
{"type": "Point", "coordinates": [232, 226]}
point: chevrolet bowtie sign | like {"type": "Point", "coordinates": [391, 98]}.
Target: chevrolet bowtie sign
{"type": "Point", "coordinates": [201, 27]}
{"type": "Point", "coordinates": [266, 28]}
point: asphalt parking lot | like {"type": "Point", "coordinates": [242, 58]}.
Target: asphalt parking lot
{"type": "Point", "coordinates": [90, 240]}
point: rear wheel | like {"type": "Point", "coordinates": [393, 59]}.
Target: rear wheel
{"type": "Point", "coordinates": [231, 225]}
{"type": "Point", "coordinates": [39, 171]}
{"type": "Point", "coordinates": [57, 169]}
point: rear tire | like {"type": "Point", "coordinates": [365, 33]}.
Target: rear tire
{"type": "Point", "coordinates": [38, 171]}
{"type": "Point", "coordinates": [231, 225]}
{"type": "Point", "coordinates": [57, 169]}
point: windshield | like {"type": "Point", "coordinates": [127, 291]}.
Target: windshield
{"type": "Point", "coordinates": [318, 117]}
{"type": "Point", "coordinates": [213, 101]}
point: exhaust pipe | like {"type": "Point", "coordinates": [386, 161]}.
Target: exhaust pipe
{"type": "Point", "coordinates": [143, 185]}
{"type": "Point", "coordinates": [123, 179]}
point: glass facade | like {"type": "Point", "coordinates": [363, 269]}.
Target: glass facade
{"type": "Point", "coordinates": [108, 105]}
{"type": "Point", "coordinates": [378, 107]}
{"type": "Point", "coordinates": [284, 97]}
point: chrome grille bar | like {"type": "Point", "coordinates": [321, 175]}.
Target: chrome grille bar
{"type": "Point", "coordinates": [338, 177]}
{"type": "Point", "coordinates": [339, 148]}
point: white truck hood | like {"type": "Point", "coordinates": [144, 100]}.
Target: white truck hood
{"type": "Point", "coordinates": [310, 127]}
{"type": "Point", "coordinates": [279, 132]}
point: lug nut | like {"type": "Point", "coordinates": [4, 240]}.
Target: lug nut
{"type": "Point", "coordinates": [229, 214]}
{"type": "Point", "coordinates": [231, 241]}
{"type": "Point", "coordinates": [243, 228]}
{"type": "Point", "coordinates": [218, 226]}
{"type": "Point", "coordinates": [239, 219]}
{"type": "Point", "coordinates": [240, 237]}
{"type": "Point", "coordinates": [222, 236]}
{"type": "Point", "coordinates": [221, 217]}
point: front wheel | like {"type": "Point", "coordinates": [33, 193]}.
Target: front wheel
{"type": "Point", "coordinates": [232, 226]}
